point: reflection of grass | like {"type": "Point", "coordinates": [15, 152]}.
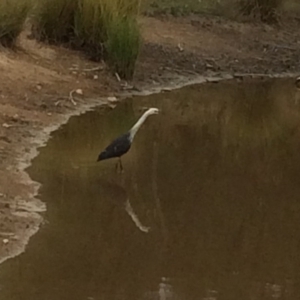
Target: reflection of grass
{"type": "Point", "coordinates": [291, 6]}
{"type": "Point", "coordinates": [264, 134]}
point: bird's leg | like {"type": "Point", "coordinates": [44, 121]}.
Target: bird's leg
{"type": "Point", "coordinates": [121, 166]}
{"type": "Point", "coordinates": [117, 164]}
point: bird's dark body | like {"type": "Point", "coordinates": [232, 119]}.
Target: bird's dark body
{"type": "Point", "coordinates": [116, 148]}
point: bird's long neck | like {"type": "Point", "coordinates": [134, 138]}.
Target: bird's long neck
{"type": "Point", "coordinates": [138, 124]}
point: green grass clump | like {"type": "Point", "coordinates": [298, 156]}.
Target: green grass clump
{"type": "Point", "coordinates": [108, 30]}
{"type": "Point", "coordinates": [13, 14]}
{"type": "Point", "coordinates": [103, 29]}
{"type": "Point", "coordinates": [89, 28]}
{"type": "Point", "coordinates": [123, 46]}
{"type": "Point", "coordinates": [53, 20]}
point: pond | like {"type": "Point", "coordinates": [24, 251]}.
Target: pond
{"type": "Point", "coordinates": [208, 206]}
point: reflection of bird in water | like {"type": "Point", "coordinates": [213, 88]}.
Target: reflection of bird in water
{"type": "Point", "coordinates": [122, 144]}
{"type": "Point", "coordinates": [165, 291]}
{"type": "Point", "coordinates": [118, 194]}
{"type": "Point", "coordinates": [135, 218]}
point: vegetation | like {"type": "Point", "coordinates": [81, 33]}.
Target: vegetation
{"type": "Point", "coordinates": [266, 10]}
{"type": "Point", "coordinates": [13, 14]}
{"type": "Point", "coordinates": [183, 7]}
{"type": "Point", "coordinates": [53, 20]}
{"type": "Point", "coordinates": [89, 28]}
{"type": "Point", "coordinates": [104, 29]}
{"type": "Point", "coordinates": [108, 29]}
{"type": "Point", "coordinates": [123, 43]}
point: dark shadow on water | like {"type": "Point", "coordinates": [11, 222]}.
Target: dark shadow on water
{"type": "Point", "coordinates": [208, 206]}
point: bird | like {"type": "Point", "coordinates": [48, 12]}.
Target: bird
{"type": "Point", "coordinates": [121, 145]}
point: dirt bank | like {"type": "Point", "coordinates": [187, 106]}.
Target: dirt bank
{"type": "Point", "coordinates": [39, 83]}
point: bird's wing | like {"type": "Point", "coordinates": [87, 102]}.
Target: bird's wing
{"type": "Point", "coordinates": [119, 146]}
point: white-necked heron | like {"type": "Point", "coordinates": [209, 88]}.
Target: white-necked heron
{"type": "Point", "coordinates": [122, 144]}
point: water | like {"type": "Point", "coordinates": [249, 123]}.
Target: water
{"type": "Point", "coordinates": [208, 207]}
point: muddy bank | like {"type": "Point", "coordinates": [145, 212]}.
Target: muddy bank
{"type": "Point", "coordinates": [176, 52]}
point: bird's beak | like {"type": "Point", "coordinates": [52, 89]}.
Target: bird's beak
{"type": "Point", "coordinates": [144, 108]}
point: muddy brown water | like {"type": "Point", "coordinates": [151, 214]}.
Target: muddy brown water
{"type": "Point", "coordinates": [208, 207]}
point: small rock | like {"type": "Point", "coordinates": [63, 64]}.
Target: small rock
{"type": "Point", "coordinates": [5, 125]}
{"type": "Point", "coordinates": [15, 117]}
{"type": "Point", "coordinates": [79, 92]}
{"type": "Point", "coordinates": [5, 241]}
{"type": "Point", "coordinates": [95, 77]}
{"type": "Point", "coordinates": [38, 86]}
{"type": "Point", "coordinates": [112, 99]}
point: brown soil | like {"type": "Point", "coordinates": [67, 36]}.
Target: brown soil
{"type": "Point", "coordinates": [36, 82]}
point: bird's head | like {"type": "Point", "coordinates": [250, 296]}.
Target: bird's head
{"type": "Point", "coordinates": [153, 111]}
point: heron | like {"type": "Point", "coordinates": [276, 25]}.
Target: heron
{"type": "Point", "coordinates": [121, 145]}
